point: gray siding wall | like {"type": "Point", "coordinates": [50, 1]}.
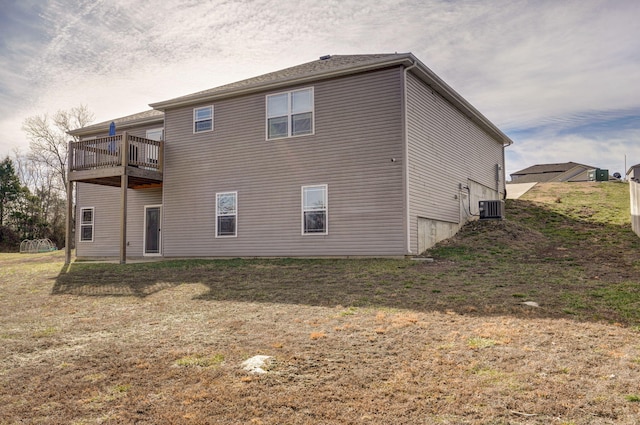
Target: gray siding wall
{"type": "Point", "coordinates": [106, 203]}
{"type": "Point", "coordinates": [445, 149]}
{"type": "Point", "coordinates": [358, 130]}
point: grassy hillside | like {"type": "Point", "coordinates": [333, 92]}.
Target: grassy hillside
{"type": "Point", "coordinates": [604, 203]}
{"type": "Point", "coordinates": [567, 245]}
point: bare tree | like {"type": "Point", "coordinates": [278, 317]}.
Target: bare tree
{"type": "Point", "coordinates": [49, 202]}
{"type": "Point", "coordinates": [48, 141]}
{"type": "Point", "coordinates": [28, 172]}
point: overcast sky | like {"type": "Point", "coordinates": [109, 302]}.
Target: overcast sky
{"type": "Point", "coordinates": [561, 78]}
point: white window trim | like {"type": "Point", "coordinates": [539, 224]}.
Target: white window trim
{"type": "Point", "coordinates": [194, 119]}
{"type": "Point", "coordinates": [92, 224]}
{"type": "Point", "coordinates": [289, 123]}
{"type": "Point", "coordinates": [235, 235]}
{"type": "Point", "coordinates": [326, 210]}
{"type": "Point", "coordinates": [144, 232]}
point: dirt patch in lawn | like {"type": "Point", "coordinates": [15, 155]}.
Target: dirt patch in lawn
{"type": "Point", "coordinates": [451, 341]}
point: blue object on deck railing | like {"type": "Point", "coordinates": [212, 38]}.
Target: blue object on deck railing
{"type": "Point", "coordinates": [112, 132]}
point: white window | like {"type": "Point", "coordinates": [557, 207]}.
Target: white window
{"type": "Point", "coordinates": [86, 224]}
{"type": "Point", "coordinates": [314, 209]}
{"type": "Point", "coordinates": [226, 214]}
{"type": "Point", "coordinates": [203, 119]}
{"type": "Point", "coordinates": [290, 114]}
{"type": "Point", "coordinates": [155, 134]}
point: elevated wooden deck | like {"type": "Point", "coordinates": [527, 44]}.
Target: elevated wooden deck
{"type": "Point", "coordinates": [105, 160]}
{"type": "Point", "coordinates": [124, 161]}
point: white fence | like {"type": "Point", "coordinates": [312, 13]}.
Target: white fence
{"type": "Point", "coordinates": [634, 191]}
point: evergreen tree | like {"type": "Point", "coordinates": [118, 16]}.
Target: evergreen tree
{"type": "Point", "coordinates": [10, 188]}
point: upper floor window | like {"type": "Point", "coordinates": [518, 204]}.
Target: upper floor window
{"type": "Point", "coordinates": [155, 134]}
{"type": "Point", "coordinates": [86, 224]}
{"type": "Point", "coordinates": [314, 209]}
{"type": "Point", "coordinates": [290, 114]}
{"type": "Point", "coordinates": [203, 119]}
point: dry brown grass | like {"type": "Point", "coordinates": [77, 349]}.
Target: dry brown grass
{"type": "Point", "coordinates": [174, 356]}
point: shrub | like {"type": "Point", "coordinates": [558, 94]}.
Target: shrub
{"type": "Point", "coordinates": [9, 240]}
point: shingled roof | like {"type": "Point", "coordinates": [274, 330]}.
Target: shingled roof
{"type": "Point", "coordinates": [122, 123]}
{"type": "Point", "coordinates": [326, 66]}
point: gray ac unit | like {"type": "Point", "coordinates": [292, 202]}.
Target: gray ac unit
{"type": "Point", "coordinates": [491, 210]}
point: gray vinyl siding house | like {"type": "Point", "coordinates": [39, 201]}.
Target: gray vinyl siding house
{"type": "Point", "coordinates": [400, 158]}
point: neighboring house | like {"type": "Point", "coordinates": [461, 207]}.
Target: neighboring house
{"type": "Point", "coordinates": [633, 173]}
{"type": "Point", "coordinates": [360, 155]}
{"type": "Point", "coordinates": [564, 172]}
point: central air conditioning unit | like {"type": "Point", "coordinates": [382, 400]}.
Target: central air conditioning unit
{"type": "Point", "coordinates": [491, 210]}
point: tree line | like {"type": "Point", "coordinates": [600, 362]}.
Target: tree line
{"type": "Point", "coordinates": [33, 184]}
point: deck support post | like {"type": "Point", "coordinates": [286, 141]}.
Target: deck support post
{"type": "Point", "coordinates": [69, 222]}
{"type": "Point", "coordinates": [124, 184]}
{"type": "Point", "coordinates": [68, 238]}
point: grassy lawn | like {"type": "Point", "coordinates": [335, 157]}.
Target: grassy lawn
{"type": "Point", "coordinates": [457, 340]}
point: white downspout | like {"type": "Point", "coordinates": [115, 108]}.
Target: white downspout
{"type": "Point", "coordinates": [406, 157]}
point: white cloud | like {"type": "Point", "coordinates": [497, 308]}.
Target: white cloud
{"type": "Point", "coordinates": [523, 64]}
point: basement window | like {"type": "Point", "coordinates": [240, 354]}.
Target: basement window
{"type": "Point", "coordinates": [314, 210]}
{"type": "Point", "coordinates": [226, 214]}
{"type": "Point", "coordinates": [86, 224]}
